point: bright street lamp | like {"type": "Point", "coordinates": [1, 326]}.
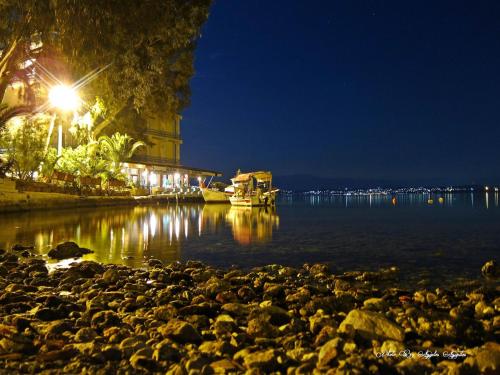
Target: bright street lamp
{"type": "Point", "coordinates": [65, 99]}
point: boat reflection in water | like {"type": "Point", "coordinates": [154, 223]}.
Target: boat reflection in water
{"type": "Point", "coordinates": [248, 224]}
{"type": "Point", "coordinates": [252, 224]}
{"type": "Point", "coordinates": [131, 235]}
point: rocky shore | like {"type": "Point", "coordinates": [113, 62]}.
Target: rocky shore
{"type": "Point", "coordinates": [191, 318]}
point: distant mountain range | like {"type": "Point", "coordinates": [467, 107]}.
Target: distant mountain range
{"type": "Point", "coordinates": [310, 182]}
{"type": "Point", "coordinates": [304, 182]}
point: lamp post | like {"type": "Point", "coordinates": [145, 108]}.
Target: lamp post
{"type": "Point", "coordinates": [65, 99]}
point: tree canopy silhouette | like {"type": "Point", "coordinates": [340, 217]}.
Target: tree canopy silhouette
{"type": "Point", "coordinates": [146, 47]}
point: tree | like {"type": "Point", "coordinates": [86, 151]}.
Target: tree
{"type": "Point", "coordinates": [146, 47]}
{"type": "Point", "coordinates": [118, 148]}
{"type": "Point", "coordinates": [24, 143]}
{"type": "Point", "coordinates": [84, 160]}
{"type": "Point", "coordinates": [82, 127]}
{"type": "Point", "coordinates": [21, 24]}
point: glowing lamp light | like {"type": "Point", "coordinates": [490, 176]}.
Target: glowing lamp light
{"type": "Point", "coordinates": [64, 98]}
{"type": "Point", "coordinates": [199, 178]}
{"type": "Point", "coordinates": [153, 179]}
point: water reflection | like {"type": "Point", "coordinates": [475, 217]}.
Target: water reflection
{"type": "Point", "coordinates": [248, 224]}
{"type": "Point", "coordinates": [447, 199]}
{"type": "Point", "coordinates": [129, 235]}
{"type": "Point", "coordinates": [252, 224]}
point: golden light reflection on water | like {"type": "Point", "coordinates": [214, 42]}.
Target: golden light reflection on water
{"type": "Point", "coordinates": [252, 224]}
{"type": "Point", "coordinates": [248, 224]}
{"type": "Point", "coordinates": [129, 235]}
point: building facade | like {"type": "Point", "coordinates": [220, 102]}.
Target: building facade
{"type": "Point", "coordinates": [156, 166]}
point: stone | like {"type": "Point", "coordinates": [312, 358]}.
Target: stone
{"type": "Point", "coordinates": [491, 269]}
{"type": "Point", "coordinates": [180, 331]}
{"type": "Point", "coordinates": [236, 309]}
{"type": "Point", "coordinates": [49, 314]}
{"type": "Point", "coordinates": [111, 353]}
{"type": "Point", "coordinates": [319, 320]}
{"type": "Point", "coordinates": [326, 333]}
{"type": "Point", "coordinates": [224, 366]}
{"type": "Point", "coordinates": [264, 360]}
{"type": "Point", "coordinates": [105, 319]}
{"type": "Point", "coordinates": [328, 352]}
{"type": "Point", "coordinates": [155, 263]}
{"type": "Point", "coordinates": [372, 325]}
{"type": "Point", "coordinates": [85, 334]}
{"type": "Point", "coordinates": [414, 365]}
{"type": "Point", "coordinates": [142, 363]}
{"type": "Point", "coordinates": [87, 269]}
{"type": "Point", "coordinates": [19, 247]}
{"type": "Point", "coordinates": [132, 345]}
{"type": "Point", "coordinates": [374, 304]}
{"type": "Point", "coordinates": [488, 358]}
{"type": "Point", "coordinates": [68, 250]}
{"type": "Point", "coordinates": [165, 313]}
{"type": "Point", "coordinates": [111, 275]}
{"type": "Point", "coordinates": [58, 327]}
{"type": "Point", "coordinates": [276, 314]}
{"type": "Point", "coordinates": [262, 328]}
{"type": "Point", "coordinates": [164, 351]}
{"type": "Point", "coordinates": [392, 346]}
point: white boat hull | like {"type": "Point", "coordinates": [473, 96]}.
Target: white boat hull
{"type": "Point", "coordinates": [214, 196]}
{"type": "Point", "coordinates": [254, 200]}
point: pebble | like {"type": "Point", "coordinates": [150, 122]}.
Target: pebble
{"type": "Point", "coordinates": [191, 318]}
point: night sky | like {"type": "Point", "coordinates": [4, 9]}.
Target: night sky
{"type": "Point", "coordinates": [386, 90]}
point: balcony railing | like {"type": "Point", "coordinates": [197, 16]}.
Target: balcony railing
{"type": "Point", "coordinates": [146, 159]}
{"type": "Point", "coordinates": [162, 133]}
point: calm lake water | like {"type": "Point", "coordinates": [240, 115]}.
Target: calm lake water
{"type": "Point", "coordinates": [440, 242]}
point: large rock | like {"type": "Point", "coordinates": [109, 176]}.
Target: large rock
{"type": "Point", "coordinates": [105, 319]}
{"type": "Point", "coordinates": [488, 358]}
{"type": "Point", "coordinates": [180, 331]}
{"type": "Point", "coordinates": [276, 315]}
{"type": "Point", "coordinates": [328, 352]}
{"type": "Point", "coordinates": [67, 250]}
{"type": "Point", "coordinates": [236, 309]}
{"type": "Point", "coordinates": [265, 360]}
{"type": "Point", "coordinates": [262, 328]}
{"type": "Point", "coordinates": [165, 351]}
{"type": "Point", "coordinates": [372, 325]}
{"type": "Point", "coordinates": [491, 269]}
{"type": "Point", "coordinates": [111, 275]}
{"type": "Point", "coordinates": [225, 366]}
{"type": "Point", "coordinates": [85, 269]}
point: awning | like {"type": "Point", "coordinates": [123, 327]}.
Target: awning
{"type": "Point", "coordinates": [260, 176]}
{"type": "Point", "coordinates": [166, 165]}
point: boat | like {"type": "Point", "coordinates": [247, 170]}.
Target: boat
{"type": "Point", "coordinates": [213, 195]}
{"type": "Point", "coordinates": [253, 189]}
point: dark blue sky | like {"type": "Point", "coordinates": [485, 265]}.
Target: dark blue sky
{"type": "Point", "coordinates": [397, 90]}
